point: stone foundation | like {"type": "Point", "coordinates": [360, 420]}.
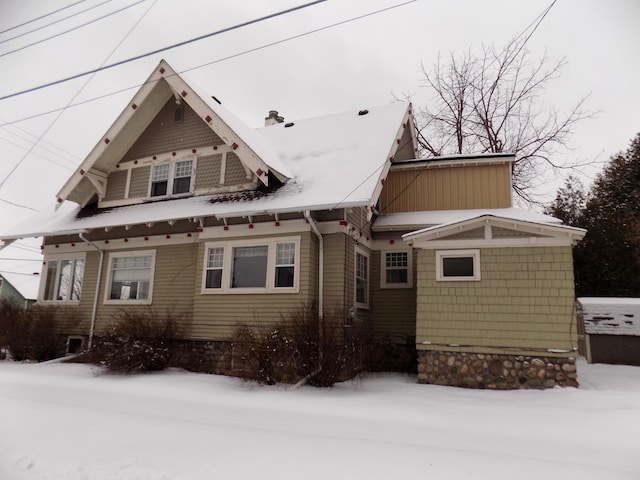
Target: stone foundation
{"type": "Point", "coordinates": [496, 372]}
{"type": "Point", "coordinates": [203, 356]}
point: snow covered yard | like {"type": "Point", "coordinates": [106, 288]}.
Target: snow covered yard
{"type": "Point", "coordinates": [64, 421]}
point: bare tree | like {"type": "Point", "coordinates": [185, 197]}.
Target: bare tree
{"type": "Point", "coordinates": [491, 103]}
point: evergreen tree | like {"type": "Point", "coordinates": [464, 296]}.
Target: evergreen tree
{"type": "Point", "coordinates": [569, 202]}
{"type": "Point", "coordinates": [607, 261]}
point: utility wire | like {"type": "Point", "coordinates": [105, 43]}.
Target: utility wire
{"type": "Point", "coordinates": [219, 60]}
{"type": "Point", "coordinates": [55, 21]}
{"type": "Point", "coordinates": [72, 99]}
{"type": "Point", "coordinates": [34, 274]}
{"type": "Point", "coordinates": [66, 167]}
{"type": "Point", "coordinates": [18, 205]}
{"type": "Point", "coordinates": [41, 17]}
{"type": "Point", "coordinates": [179, 44]}
{"type": "Point", "coordinates": [71, 29]}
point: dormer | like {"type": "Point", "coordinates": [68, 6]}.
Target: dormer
{"type": "Point", "coordinates": [172, 141]}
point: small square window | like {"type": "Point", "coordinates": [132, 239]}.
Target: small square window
{"type": "Point", "coordinates": [458, 265]}
{"type": "Point", "coordinates": [396, 270]}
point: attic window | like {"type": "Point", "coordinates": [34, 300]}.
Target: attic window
{"type": "Point", "coordinates": [178, 116]}
{"type": "Point", "coordinates": [171, 178]}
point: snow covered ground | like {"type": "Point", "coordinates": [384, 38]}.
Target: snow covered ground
{"type": "Point", "coordinates": [72, 422]}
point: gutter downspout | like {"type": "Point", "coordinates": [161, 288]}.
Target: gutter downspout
{"type": "Point", "coordinates": [314, 228]}
{"type": "Point", "coordinates": [95, 298]}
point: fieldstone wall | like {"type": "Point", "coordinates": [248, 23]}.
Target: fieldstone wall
{"type": "Point", "coordinates": [203, 356]}
{"type": "Point", "coordinates": [496, 372]}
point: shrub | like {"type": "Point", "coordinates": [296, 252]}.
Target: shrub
{"type": "Point", "coordinates": [300, 346]}
{"type": "Point", "coordinates": [139, 340]}
{"type": "Point", "coordinates": [35, 334]}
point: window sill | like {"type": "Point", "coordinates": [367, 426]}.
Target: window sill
{"type": "Point", "coordinates": [250, 291]}
{"type": "Point", "coordinates": [127, 302]}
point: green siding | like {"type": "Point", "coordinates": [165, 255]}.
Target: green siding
{"type": "Point", "coordinates": [393, 309]}
{"type": "Point", "coordinates": [524, 301]}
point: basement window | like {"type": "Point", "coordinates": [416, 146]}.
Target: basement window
{"type": "Point", "coordinates": [458, 265]}
{"type": "Point", "coordinates": [74, 345]}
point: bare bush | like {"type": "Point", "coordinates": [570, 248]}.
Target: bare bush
{"type": "Point", "coordinates": [140, 340]}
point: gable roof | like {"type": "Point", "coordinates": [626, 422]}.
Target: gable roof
{"type": "Point", "coordinates": [162, 84]}
{"type": "Point", "coordinates": [487, 230]}
{"type": "Point", "coordinates": [611, 316]}
{"type": "Point", "coordinates": [333, 161]}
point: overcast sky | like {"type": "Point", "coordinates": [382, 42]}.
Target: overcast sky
{"type": "Point", "coordinates": [359, 63]}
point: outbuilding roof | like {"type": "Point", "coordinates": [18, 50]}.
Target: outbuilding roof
{"type": "Point", "coordinates": [611, 316]}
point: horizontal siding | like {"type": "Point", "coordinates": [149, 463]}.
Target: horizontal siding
{"type": "Point", "coordinates": [217, 315]}
{"type": "Point", "coordinates": [139, 185]}
{"type": "Point", "coordinates": [525, 299]}
{"type": "Point", "coordinates": [116, 185]}
{"type": "Point", "coordinates": [393, 309]}
{"type": "Point", "coordinates": [165, 135]}
{"type": "Point", "coordinates": [334, 273]}
{"type": "Point", "coordinates": [452, 188]}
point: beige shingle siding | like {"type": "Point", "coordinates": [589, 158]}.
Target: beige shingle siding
{"type": "Point", "coordinates": [165, 135]}
{"type": "Point", "coordinates": [393, 310]}
{"type": "Point", "coordinates": [208, 171]}
{"type": "Point", "coordinates": [116, 185]}
{"type": "Point", "coordinates": [235, 172]}
{"type": "Point", "coordinates": [483, 186]}
{"type": "Point", "coordinates": [139, 185]}
{"type": "Point", "coordinates": [217, 315]}
{"type": "Point", "coordinates": [525, 299]}
{"type": "Point", "coordinates": [358, 217]}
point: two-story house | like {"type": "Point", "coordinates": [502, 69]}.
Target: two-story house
{"type": "Point", "coordinates": [180, 205]}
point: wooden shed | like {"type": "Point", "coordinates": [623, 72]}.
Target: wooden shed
{"type": "Point", "coordinates": [611, 330]}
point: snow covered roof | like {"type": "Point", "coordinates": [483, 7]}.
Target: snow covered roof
{"type": "Point", "coordinates": [26, 285]}
{"type": "Point", "coordinates": [419, 220]}
{"type": "Point", "coordinates": [611, 316]}
{"type": "Point", "coordinates": [333, 161]}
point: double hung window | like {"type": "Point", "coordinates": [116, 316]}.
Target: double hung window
{"type": "Point", "coordinates": [362, 279]}
{"type": "Point", "coordinates": [171, 178]}
{"type": "Point", "coordinates": [131, 277]}
{"type": "Point", "coordinates": [63, 279]}
{"type": "Point", "coordinates": [252, 266]}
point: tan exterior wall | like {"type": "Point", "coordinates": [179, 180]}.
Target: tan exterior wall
{"type": "Point", "coordinates": [393, 310]}
{"type": "Point", "coordinates": [208, 171]}
{"type": "Point", "coordinates": [116, 185]}
{"type": "Point", "coordinates": [215, 316]}
{"type": "Point", "coordinates": [165, 135]}
{"type": "Point", "coordinates": [524, 303]}
{"type": "Point", "coordinates": [235, 172]}
{"type": "Point", "coordinates": [451, 188]}
{"type": "Point", "coordinates": [358, 217]}
{"type": "Point", "coordinates": [140, 180]}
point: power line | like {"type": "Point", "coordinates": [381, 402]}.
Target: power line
{"type": "Point", "coordinates": [55, 21]}
{"type": "Point", "coordinates": [219, 60]}
{"type": "Point", "coordinates": [75, 96]}
{"type": "Point", "coordinates": [34, 274]}
{"type": "Point", "coordinates": [71, 29]}
{"type": "Point", "coordinates": [179, 44]}
{"type": "Point", "coordinates": [65, 152]}
{"type": "Point", "coordinates": [41, 17]}
{"type": "Point", "coordinates": [21, 259]}
{"type": "Point", "coordinates": [38, 154]}
{"type": "Point", "coordinates": [18, 205]}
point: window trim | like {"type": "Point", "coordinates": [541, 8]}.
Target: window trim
{"type": "Point", "coordinates": [364, 253]}
{"type": "Point", "coordinates": [442, 254]}
{"type": "Point", "coordinates": [172, 162]}
{"type": "Point", "coordinates": [383, 269]}
{"type": "Point", "coordinates": [227, 266]}
{"type": "Point", "coordinates": [130, 253]}
{"type": "Point", "coordinates": [45, 274]}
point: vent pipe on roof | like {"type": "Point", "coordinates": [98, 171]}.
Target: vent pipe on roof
{"type": "Point", "coordinates": [273, 118]}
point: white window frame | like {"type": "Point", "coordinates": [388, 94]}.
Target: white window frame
{"type": "Point", "coordinates": [227, 266]}
{"type": "Point", "coordinates": [133, 253]}
{"type": "Point", "coordinates": [442, 254]}
{"type": "Point", "coordinates": [45, 273]}
{"type": "Point", "coordinates": [172, 162]}
{"type": "Point", "coordinates": [364, 253]}
{"type": "Point", "coordinates": [383, 269]}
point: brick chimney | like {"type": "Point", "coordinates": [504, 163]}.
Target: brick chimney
{"type": "Point", "coordinates": [273, 118]}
